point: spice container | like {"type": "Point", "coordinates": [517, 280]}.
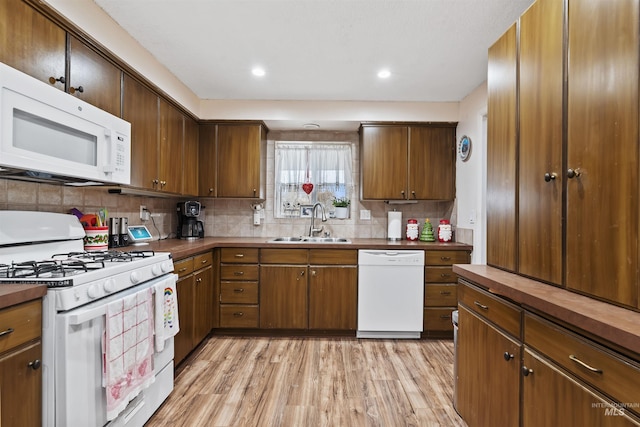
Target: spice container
{"type": "Point", "coordinates": [412, 229]}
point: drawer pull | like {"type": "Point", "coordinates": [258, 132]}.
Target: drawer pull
{"type": "Point", "coordinates": [526, 371]}
{"type": "Point", "coordinates": [204, 261]}
{"type": "Point", "coordinates": [507, 356]}
{"type": "Point", "coordinates": [7, 332]}
{"type": "Point", "coordinates": [35, 365]}
{"type": "Point", "coordinates": [482, 306]}
{"type": "Point", "coordinates": [238, 314]}
{"type": "Point", "coordinates": [445, 258]}
{"type": "Point", "coordinates": [239, 255]}
{"type": "Point", "coordinates": [445, 292]}
{"type": "Point", "coordinates": [238, 273]}
{"type": "Point", "coordinates": [445, 316]}
{"type": "Point", "coordinates": [238, 290]}
{"type": "Point", "coordinates": [182, 270]}
{"type": "Point", "coordinates": [584, 365]}
{"type": "Point", "coordinates": [445, 275]}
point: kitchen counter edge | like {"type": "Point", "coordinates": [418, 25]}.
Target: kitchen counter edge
{"type": "Point", "coordinates": [180, 249]}
{"type": "Point", "coordinates": [13, 294]}
{"type": "Point", "coordinates": [611, 323]}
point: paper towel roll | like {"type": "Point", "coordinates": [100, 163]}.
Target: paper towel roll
{"type": "Point", "coordinates": [394, 230]}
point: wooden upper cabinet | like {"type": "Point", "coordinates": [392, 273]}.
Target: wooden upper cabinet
{"type": "Point", "coordinates": [501, 152]}
{"type": "Point", "coordinates": [190, 164]}
{"type": "Point", "coordinates": [140, 108]}
{"type": "Point", "coordinates": [407, 163]}
{"type": "Point", "coordinates": [602, 146]}
{"type": "Point", "coordinates": [93, 79]}
{"type": "Point", "coordinates": [432, 162]}
{"type": "Point", "coordinates": [383, 162]}
{"type": "Point", "coordinates": [170, 151]}
{"type": "Point", "coordinates": [32, 43]}
{"type": "Point", "coordinates": [241, 158]}
{"type": "Point", "coordinates": [541, 177]}
{"type": "Point", "coordinates": [207, 160]}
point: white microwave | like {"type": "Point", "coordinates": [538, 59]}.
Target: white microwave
{"type": "Point", "coordinates": [47, 134]}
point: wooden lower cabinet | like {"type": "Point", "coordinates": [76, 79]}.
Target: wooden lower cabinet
{"type": "Point", "coordinates": [196, 290]}
{"type": "Point", "coordinates": [333, 297]}
{"type": "Point", "coordinates": [283, 297]}
{"type": "Point", "coordinates": [488, 373]}
{"type": "Point", "coordinates": [550, 397]}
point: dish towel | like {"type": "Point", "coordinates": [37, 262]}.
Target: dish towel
{"type": "Point", "coordinates": [166, 312]}
{"type": "Point", "coordinates": [127, 350]}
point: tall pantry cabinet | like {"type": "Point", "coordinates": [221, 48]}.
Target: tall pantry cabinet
{"type": "Point", "coordinates": [576, 145]}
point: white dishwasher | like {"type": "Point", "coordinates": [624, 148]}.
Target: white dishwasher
{"type": "Point", "coordinates": [390, 293]}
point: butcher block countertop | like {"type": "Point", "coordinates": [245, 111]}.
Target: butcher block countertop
{"type": "Point", "coordinates": [608, 322]}
{"type": "Point", "coordinates": [184, 248]}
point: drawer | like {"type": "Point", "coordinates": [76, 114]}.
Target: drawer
{"type": "Point", "coordinates": [333, 257]}
{"type": "Point", "coordinates": [239, 272]}
{"type": "Point", "coordinates": [183, 267]}
{"type": "Point", "coordinates": [239, 255]}
{"type": "Point", "coordinates": [438, 319]}
{"type": "Point", "coordinates": [239, 292]}
{"type": "Point", "coordinates": [502, 313]}
{"type": "Point", "coordinates": [284, 256]}
{"type": "Point", "coordinates": [202, 260]}
{"type": "Point", "coordinates": [605, 370]}
{"type": "Point", "coordinates": [20, 323]}
{"type": "Point", "coordinates": [239, 316]}
{"type": "Point", "coordinates": [447, 257]}
{"type": "Point", "coordinates": [441, 295]}
{"type": "Point", "coordinates": [440, 275]}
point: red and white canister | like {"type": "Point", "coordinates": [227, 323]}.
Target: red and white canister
{"type": "Point", "coordinates": [412, 229]}
{"type": "Point", "coordinates": [445, 234]}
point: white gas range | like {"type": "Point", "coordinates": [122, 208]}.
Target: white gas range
{"type": "Point", "coordinates": [47, 248]}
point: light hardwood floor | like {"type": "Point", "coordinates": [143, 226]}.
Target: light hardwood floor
{"type": "Point", "coordinates": [257, 381]}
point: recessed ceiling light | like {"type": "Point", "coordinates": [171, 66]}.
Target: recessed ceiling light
{"type": "Point", "coordinates": [311, 126]}
{"type": "Point", "coordinates": [384, 74]}
{"type": "Point", "coordinates": [258, 71]}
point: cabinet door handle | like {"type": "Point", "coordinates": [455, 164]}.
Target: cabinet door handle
{"type": "Point", "coordinates": [239, 255]}
{"type": "Point", "coordinates": [445, 292]}
{"type": "Point", "coordinates": [35, 365]}
{"type": "Point", "coordinates": [507, 356]}
{"type": "Point", "coordinates": [6, 332]}
{"type": "Point", "coordinates": [60, 79]}
{"type": "Point", "coordinates": [584, 365]}
{"type": "Point", "coordinates": [238, 314]}
{"type": "Point", "coordinates": [526, 371]}
{"type": "Point", "coordinates": [402, 192]}
{"type": "Point", "coordinates": [313, 273]}
{"type": "Point", "coordinates": [413, 193]}
{"type": "Point", "coordinates": [548, 177]}
{"type": "Point", "coordinates": [238, 273]}
{"type": "Point", "coordinates": [238, 290]}
{"type": "Point", "coordinates": [199, 279]}
{"type": "Point", "coordinates": [482, 306]}
{"type": "Point", "coordinates": [573, 173]}
{"type": "Point", "coordinates": [73, 90]}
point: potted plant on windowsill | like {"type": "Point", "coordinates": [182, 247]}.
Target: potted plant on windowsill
{"type": "Point", "coordinates": [342, 207]}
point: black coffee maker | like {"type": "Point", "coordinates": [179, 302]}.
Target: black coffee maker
{"type": "Point", "coordinates": [188, 225]}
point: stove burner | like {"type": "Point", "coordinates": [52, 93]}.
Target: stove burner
{"type": "Point", "coordinates": [106, 256]}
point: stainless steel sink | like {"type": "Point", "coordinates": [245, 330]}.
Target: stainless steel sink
{"type": "Point", "coordinates": [304, 239]}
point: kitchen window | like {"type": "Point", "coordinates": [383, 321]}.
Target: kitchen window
{"type": "Point", "coordinates": [306, 173]}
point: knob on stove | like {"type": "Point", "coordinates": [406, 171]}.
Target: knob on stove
{"type": "Point", "coordinates": [156, 270]}
{"type": "Point", "coordinates": [109, 286]}
{"type": "Point", "coordinates": [135, 277]}
{"type": "Point", "coordinates": [93, 291]}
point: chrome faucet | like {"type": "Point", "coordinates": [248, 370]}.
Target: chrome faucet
{"type": "Point", "coordinates": [312, 229]}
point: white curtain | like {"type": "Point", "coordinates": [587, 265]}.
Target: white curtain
{"type": "Point", "coordinates": [327, 166]}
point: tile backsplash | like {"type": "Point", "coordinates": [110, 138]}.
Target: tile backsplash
{"type": "Point", "coordinates": [221, 217]}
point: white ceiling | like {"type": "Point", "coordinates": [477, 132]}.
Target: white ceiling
{"type": "Point", "coordinates": [328, 50]}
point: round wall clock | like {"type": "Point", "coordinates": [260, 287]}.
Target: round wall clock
{"type": "Point", "coordinates": [464, 148]}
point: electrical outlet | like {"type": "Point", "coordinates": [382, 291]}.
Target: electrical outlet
{"type": "Point", "coordinates": [144, 213]}
{"type": "Point", "coordinates": [365, 214]}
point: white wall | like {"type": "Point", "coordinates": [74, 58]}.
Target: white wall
{"type": "Point", "coordinates": [470, 181]}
